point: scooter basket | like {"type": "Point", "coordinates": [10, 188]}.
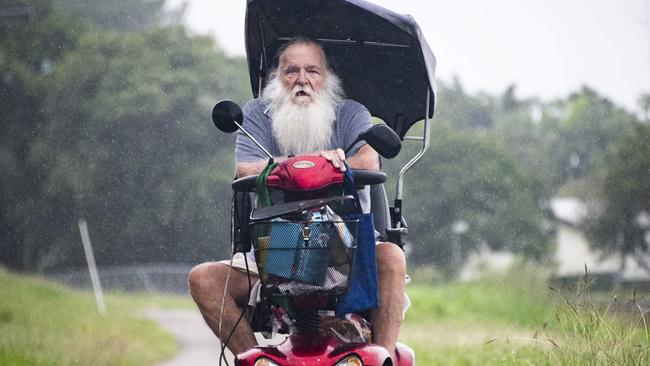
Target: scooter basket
{"type": "Point", "coordinates": [305, 257]}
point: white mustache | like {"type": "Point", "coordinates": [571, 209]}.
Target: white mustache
{"type": "Point", "coordinates": [302, 88]}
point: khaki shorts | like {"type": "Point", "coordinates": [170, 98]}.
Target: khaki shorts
{"type": "Point", "coordinates": [239, 263]}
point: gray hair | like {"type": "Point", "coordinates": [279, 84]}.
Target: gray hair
{"type": "Point", "coordinates": [333, 88]}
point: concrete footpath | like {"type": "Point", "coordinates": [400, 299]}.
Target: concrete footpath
{"type": "Point", "coordinates": [197, 345]}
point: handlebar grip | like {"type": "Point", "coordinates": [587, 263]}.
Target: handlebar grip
{"type": "Point", "coordinates": [245, 184]}
{"type": "Point", "coordinates": [362, 177]}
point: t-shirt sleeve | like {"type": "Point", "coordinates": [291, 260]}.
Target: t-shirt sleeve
{"type": "Point", "coordinates": [257, 124]}
{"type": "Point", "coordinates": [358, 120]}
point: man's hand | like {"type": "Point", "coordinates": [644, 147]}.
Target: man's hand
{"type": "Point", "coordinates": [336, 157]}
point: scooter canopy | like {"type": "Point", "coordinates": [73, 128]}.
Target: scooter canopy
{"type": "Point", "coordinates": [381, 57]}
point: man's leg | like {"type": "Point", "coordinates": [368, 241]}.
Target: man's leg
{"type": "Point", "coordinates": [207, 282]}
{"type": "Point", "coordinates": [391, 273]}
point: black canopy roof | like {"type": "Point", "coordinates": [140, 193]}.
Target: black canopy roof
{"type": "Point", "coordinates": [380, 56]}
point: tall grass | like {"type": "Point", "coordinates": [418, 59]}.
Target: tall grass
{"type": "Point", "coordinates": [488, 322]}
{"type": "Point", "coordinates": [517, 319]}
{"type": "Point", "coordinates": [46, 324]}
{"type": "Point", "coordinates": [615, 333]}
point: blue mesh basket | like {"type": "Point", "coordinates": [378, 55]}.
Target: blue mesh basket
{"type": "Point", "coordinates": [305, 256]}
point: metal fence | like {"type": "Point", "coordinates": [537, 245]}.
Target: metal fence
{"type": "Point", "coordinates": [161, 277]}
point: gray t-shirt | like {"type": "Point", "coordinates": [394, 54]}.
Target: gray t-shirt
{"type": "Point", "coordinates": [352, 118]}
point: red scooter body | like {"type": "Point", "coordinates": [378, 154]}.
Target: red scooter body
{"type": "Point", "coordinates": [365, 57]}
{"type": "Point", "coordinates": [321, 347]}
{"type": "Point", "coordinates": [312, 342]}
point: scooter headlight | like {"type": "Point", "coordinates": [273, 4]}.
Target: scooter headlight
{"type": "Point", "coordinates": [263, 361]}
{"type": "Point", "coordinates": [352, 360]}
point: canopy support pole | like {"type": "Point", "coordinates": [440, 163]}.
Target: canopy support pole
{"type": "Point", "coordinates": [425, 145]}
{"type": "Point", "coordinates": [399, 229]}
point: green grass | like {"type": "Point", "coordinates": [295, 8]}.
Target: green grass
{"type": "Point", "coordinates": [516, 319]}
{"type": "Point", "coordinates": [42, 323]}
{"type": "Point", "coordinates": [591, 331]}
{"type": "Point", "coordinates": [513, 319]}
{"type": "Point", "coordinates": [518, 300]}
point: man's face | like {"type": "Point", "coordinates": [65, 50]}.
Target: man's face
{"type": "Point", "coordinates": [302, 72]}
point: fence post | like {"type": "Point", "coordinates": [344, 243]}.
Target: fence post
{"type": "Point", "coordinates": [92, 268]}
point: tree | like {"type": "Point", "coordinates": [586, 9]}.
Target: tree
{"type": "Point", "coordinates": [579, 131]}
{"type": "Point", "coordinates": [461, 110]}
{"type": "Point", "coordinates": [137, 156]}
{"type": "Point", "coordinates": [644, 104]}
{"type": "Point", "coordinates": [464, 177]}
{"type": "Point", "coordinates": [31, 45]}
{"type": "Point", "coordinates": [114, 14]}
{"type": "Point", "coordinates": [112, 126]}
{"type": "Point", "coordinates": [517, 124]}
{"type": "Point", "coordinates": [622, 224]}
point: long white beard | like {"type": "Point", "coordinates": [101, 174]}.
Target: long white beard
{"type": "Point", "coordinates": [300, 128]}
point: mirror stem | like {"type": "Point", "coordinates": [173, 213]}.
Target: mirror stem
{"type": "Point", "coordinates": [255, 141]}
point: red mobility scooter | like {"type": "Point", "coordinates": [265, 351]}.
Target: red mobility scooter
{"type": "Point", "coordinates": [311, 247]}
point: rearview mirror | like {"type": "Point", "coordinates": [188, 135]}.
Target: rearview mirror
{"type": "Point", "coordinates": [225, 114]}
{"type": "Point", "coordinates": [383, 139]}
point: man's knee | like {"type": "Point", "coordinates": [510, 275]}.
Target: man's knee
{"type": "Point", "coordinates": [205, 276]}
{"type": "Point", "coordinates": [390, 259]}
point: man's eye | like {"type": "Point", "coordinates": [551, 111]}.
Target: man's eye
{"type": "Point", "coordinates": [314, 71]}
{"type": "Point", "coordinates": [291, 70]}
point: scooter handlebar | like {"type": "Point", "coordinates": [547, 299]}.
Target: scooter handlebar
{"type": "Point", "coordinates": [362, 178]}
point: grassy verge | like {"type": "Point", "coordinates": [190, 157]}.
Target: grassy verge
{"type": "Point", "coordinates": [612, 333]}
{"type": "Point", "coordinates": [508, 320]}
{"type": "Point", "coordinates": [46, 324]}
{"type": "Point", "coordinates": [487, 322]}
{"type": "Point", "coordinates": [517, 320]}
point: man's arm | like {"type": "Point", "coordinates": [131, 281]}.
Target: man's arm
{"type": "Point", "coordinates": [247, 168]}
{"type": "Point", "coordinates": [366, 158]}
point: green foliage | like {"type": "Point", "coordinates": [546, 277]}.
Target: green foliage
{"type": "Point", "coordinates": [644, 104]}
{"type": "Point", "coordinates": [579, 131]}
{"type": "Point", "coordinates": [30, 48]}
{"type": "Point", "coordinates": [112, 126]}
{"type": "Point", "coordinates": [461, 110]}
{"type": "Point", "coordinates": [105, 116]}
{"type": "Point", "coordinates": [46, 324]}
{"type": "Point", "coordinates": [137, 155]}
{"type": "Point", "coordinates": [496, 162]}
{"type": "Point", "coordinates": [114, 14]}
{"type": "Point", "coordinates": [622, 225]}
{"type": "Point", "coordinates": [471, 178]}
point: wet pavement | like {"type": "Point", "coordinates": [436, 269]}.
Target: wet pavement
{"type": "Point", "coordinates": [198, 346]}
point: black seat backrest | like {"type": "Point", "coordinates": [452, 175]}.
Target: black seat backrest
{"type": "Point", "coordinates": [379, 208]}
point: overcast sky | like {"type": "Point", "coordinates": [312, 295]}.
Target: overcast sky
{"type": "Point", "coordinates": [548, 48]}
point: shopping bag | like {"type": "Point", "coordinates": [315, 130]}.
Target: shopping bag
{"type": "Point", "coordinates": [362, 291]}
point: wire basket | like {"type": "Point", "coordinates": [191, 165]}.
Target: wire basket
{"type": "Point", "coordinates": [305, 257]}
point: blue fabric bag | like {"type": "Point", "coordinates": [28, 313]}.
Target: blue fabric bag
{"type": "Point", "coordinates": [362, 291]}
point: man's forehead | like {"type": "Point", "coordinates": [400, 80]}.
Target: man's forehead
{"type": "Point", "coordinates": [303, 53]}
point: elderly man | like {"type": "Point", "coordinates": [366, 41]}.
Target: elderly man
{"type": "Point", "coordinates": [301, 112]}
